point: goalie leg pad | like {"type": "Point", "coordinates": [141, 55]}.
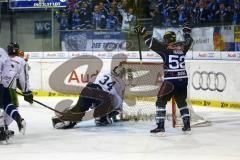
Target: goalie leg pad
{"type": "Point", "coordinates": [102, 104]}
{"type": "Point", "coordinates": [87, 98]}
{"type": "Point", "coordinates": [102, 99]}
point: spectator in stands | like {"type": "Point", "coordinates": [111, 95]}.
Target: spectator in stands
{"type": "Point", "coordinates": [86, 15]}
{"type": "Point", "coordinates": [182, 15]}
{"type": "Point", "coordinates": [229, 14]}
{"type": "Point", "coordinates": [167, 23]}
{"type": "Point", "coordinates": [156, 17]}
{"type": "Point", "coordinates": [236, 14]}
{"type": "Point", "coordinates": [124, 4]}
{"type": "Point", "coordinates": [62, 18]}
{"type": "Point", "coordinates": [99, 19]}
{"type": "Point", "coordinates": [76, 21]}
{"type": "Point", "coordinates": [212, 8]}
{"type": "Point", "coordinates": [221, 14]}
{"type": "Point", "coordinates": [113, 6]}
{"type": "Point", "coordinates": [174, 19]}
{"type": "Point", "coordinates": [128, 19]}
{"type": "Point", "coordinates": [102, 9]}
{"type": "Point", "coordinates": [71, 5]}
{"type": "Point", "coordinates": [112, 21]}
{"type": "Point", "coordinates": [203, 13]}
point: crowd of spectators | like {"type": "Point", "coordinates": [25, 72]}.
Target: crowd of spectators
{"type": "Point", "coordinates": [98, 15]}
{"type": "Point", "coordinates": [117, 15]}
{"type": "Point", "coordinates": [168, 13]}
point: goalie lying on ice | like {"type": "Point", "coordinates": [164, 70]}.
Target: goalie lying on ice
{"type": "Point", "coordinates": [101, 99]}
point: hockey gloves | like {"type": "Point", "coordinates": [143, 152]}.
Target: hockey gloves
{"type": "Point", "coordinates": [140, 30]}
{"type": "Point", "coordinates": [187, 28]}
{"type": "Point", "coordinates": [28, 96]}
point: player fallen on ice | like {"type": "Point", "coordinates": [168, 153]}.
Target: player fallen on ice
{"type": "Point", "coordinates": [14, 69]}
{"type": "Point", "coordinates": [103, 94]}
{"type": "Point", "coordinates": [175, 76]}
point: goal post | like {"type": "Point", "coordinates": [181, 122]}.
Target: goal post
{"type": "Point", "coordinates": [143, 81]}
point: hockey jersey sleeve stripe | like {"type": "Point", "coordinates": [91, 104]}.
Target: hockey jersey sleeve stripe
{"type": "Point", "coordinates": [149, 44]}
{"type": "Point", "coordinates": [154, 44]}
{"type": "Point", "coordinates": [185, 115]}
{"type": "Point", "coordinates": [174, 70]}
{"type": "Point", "coordinates": [13, 111]}
{"type": "Point", "coordinates": [175, 77]}
{"type": "Point", "coordinates": [11, 83]}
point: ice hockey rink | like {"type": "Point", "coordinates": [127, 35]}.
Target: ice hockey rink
{"type": "Point", "coordinates": [123, 140]}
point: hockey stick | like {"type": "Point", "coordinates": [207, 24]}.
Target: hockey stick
{"type": "Point", "coordinates": [44, 105]}
{"type": "Point", "coordinates": [138, 35]}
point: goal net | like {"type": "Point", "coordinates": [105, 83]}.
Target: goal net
{"type": "Point", "coordinates": [143, 82]}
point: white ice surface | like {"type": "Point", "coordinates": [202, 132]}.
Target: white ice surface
{"type": "Point", "coordinates": [123, 141]}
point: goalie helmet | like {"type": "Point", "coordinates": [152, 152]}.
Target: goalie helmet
{"type": "Point", "coordinates": [119, 70]}
{"type": "Point", "coordinates": [169, 37]}
{"type": "Point", "coordinates": [12, 48]}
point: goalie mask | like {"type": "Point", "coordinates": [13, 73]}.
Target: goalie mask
{"type": "Point", "coordinates": [119, 71]}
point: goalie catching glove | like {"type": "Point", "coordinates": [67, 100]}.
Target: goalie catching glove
{"type": "Point", "coordinates": [28, 96]}
{"type": "Point", "coordinates": [140, 30]}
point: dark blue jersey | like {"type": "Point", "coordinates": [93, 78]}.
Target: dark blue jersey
{"type": "Point", "coordinates": [173, 55]}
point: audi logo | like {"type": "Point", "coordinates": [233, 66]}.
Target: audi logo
{"type": "Point", "coordinates": [209, 81]}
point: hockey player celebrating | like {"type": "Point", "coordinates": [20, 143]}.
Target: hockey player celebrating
{"type": "Point", "coordinates": [103, 94]}
{"type": "Point", "coordinates": [175, 75]}
{"type": "Point", "coordinates": [14, 70]}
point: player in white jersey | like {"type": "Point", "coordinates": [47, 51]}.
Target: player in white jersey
{"type": "Point", "coordinates": [4, 59]}
{"type": "Point", "coordinates": [104, 93]}
{"type": "Point", "coordinates": [12, 71]}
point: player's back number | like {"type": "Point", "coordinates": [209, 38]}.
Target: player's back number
{"type": "Point", "coordinates": [176, 61]}
{"type": "Point", "coordinates": [107, 81]}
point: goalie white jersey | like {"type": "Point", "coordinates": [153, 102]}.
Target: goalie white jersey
{"type": "Point", "coordinates": [113, 85]}
{"type": "Point", "coordinates": [15, 69]}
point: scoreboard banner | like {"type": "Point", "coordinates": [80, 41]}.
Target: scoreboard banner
{"type": "Point", "coordinates": [36, 4]}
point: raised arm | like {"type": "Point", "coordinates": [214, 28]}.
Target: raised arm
{"type": "Point", "coordinates": [150, 41]}
{"type": "Point", "coordinates": [187, 36]}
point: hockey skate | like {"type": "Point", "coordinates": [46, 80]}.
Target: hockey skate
{"type": "Point", "coordinates": [160, 130]}
{"type": "Point", "coordinates": [9, 132]}
{"type": "Point", "coordinates": [186, 126]}
{"type": "Point", "coordinates": [113, 115]}
{"type": "Point", "coordinates": [21, 125]}
{"type": "Point", "coordinates": [3, 135]}
{"type": "Point", "coordinates": [103, 121]}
